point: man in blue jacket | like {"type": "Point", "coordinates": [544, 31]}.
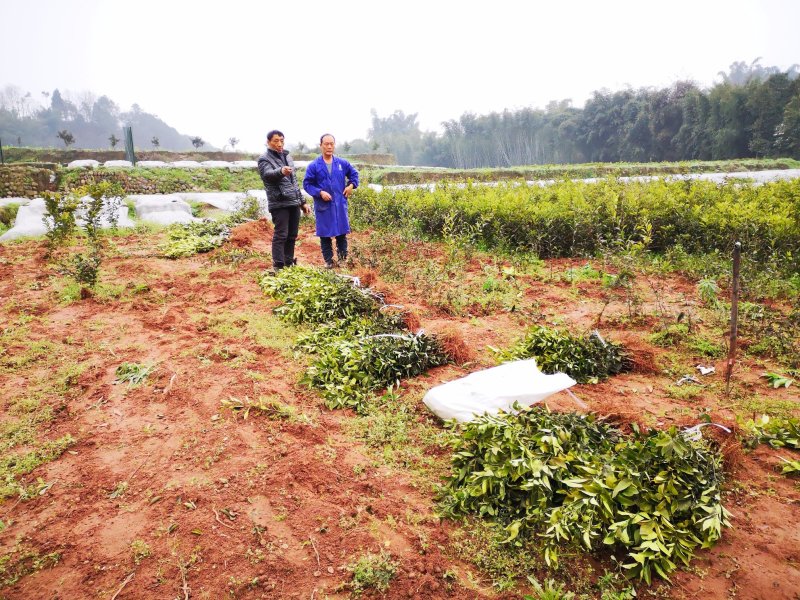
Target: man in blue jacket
{"type": "Point", "coordinates": [285, 201]}
{"type": "Point", "coordinates": [330, 180]}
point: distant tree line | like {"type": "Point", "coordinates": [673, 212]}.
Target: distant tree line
{"type": "Point", "coordinates": [753, 112]}
{"type": "Point", "coordinates": [83, 120]}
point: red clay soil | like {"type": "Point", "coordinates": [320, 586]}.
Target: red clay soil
{"type": "Point", "coordinates": [166, 494]}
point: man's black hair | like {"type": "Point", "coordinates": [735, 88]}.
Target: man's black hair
{"type": "Point", "coordinates": [322, 137]}
{"type": "Point", "coordinates": [275, 132]}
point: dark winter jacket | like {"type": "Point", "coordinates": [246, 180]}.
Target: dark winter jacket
{"type": "Point", "coordinates": [282, 190]}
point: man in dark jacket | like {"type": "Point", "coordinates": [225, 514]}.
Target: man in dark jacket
{"type": "Point", "coordinates": [285, 201]}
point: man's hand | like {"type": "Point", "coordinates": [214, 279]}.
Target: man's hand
{"type": "Point", "coordinates": [306, 209]}
{"type": "Point", "coordinates": [325, 196]}
{"type": "Point", "coordinates": [348, 190]}
{"type": "Point", "coordinates": [286, 171]}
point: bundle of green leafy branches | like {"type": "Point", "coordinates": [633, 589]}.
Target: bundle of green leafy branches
{"type": "Point", "coordinates": [357, 327]}
{"type": "Point", "coordinates": [584, 359]}
{"type": "Point", "coordinates": [313, 296]}
{"type": "Point", "coordinates": [571, 479]}
{"type": "Point", "coordinates": [359, 348]}
{"type": "Point", "coordinates": [778, 432]}
{"type": "Point", "coordinates": [347, 370]}
{"type": "Point", "coordinates": [186, 239]}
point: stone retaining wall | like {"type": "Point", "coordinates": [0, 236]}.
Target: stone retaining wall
{"type": "Point", "coordinates": [27, 181]}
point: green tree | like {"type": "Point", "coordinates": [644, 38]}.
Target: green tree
{"type": "Point", "coordinates": [113, 140]}
{"type": "Point", "coordinates": [198, 142]}
{"type": "Point", "coordinates": [66, 137]}
{"type": "Point", "coordinates": [767, 102]}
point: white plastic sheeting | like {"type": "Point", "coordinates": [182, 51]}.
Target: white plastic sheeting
{"type": "Point", "coordinates": [83, 164]}
{"type": "Point", "coordinates": [164, 209]}
{"type": "Point", "coordinates": [217, 164]}
{"type": "Point", "coordinates": [126, 164]}
{"type": "Point", "coordinates": [229, 201]}
{"type": "Point", "coordinates": [152, 164]}
{"type": "Point", "coordinates": [187, 164]}
{"type": "Point", "coordinates": [17, 200]}
{"type": "Point", "coordinates": [30, 219]}
{"type": "Point", "coordinates": [492, 390]}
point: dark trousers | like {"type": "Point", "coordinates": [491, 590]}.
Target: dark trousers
{"type": "Point", "coordinates": [286, 222]}
{"type": "Point", "coordinates": [326, 244]}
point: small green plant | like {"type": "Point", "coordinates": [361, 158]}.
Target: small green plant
{"type": "Point", "coordinates": [139, 551]}
{"type": "Point", "coordinates": [708, 290]}
{"type": "Point", "coordinates": [119, 490]}
{"type": "Point", "coordinates": [273, 409]}
{"type": "Point", "coordinates": [551, 590]}
{"type": "Point", "coordinates": [59, 218]}
{"type": "Point", "coordinates": [247, 208]}
{"type": "Point", "coordinates": [91, 204]}
{"type": "Point", "coordinates": [372, 572]}
{"type": "Point", "coordinates": [790, 467]}
{"type": "Point", "coordinates": [133, 373]}
{"type": "Point", "coordinates": [778, 432]}
{"type": "Point", "coordinates": [776, 380]}
{"type": "Point", "coordinates": [671, 336]}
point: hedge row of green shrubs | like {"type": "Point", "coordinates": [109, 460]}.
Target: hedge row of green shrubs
{"type": "Point", "coordinates": [578, 219]}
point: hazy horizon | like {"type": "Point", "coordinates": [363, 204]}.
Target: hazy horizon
{"type": "Point", "coordinates": [252, 67]}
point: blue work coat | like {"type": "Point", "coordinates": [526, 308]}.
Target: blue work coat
{"type": "Point", "coordinates": [332, 219]}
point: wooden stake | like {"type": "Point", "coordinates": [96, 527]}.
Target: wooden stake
{"type": "Point", "coordinates": [737, 251]}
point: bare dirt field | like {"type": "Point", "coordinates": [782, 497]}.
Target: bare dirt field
{"type": "Point", "coordinates": [164, 489]}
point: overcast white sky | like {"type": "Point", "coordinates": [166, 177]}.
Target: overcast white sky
{"type": "Point", "coordinates": [240, 68]}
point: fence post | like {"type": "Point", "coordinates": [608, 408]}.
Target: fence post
{"type": "Point", "coordinates": [129, 155]}
{"type": "Point", "coordinates": [737, 251]}
{"type": "Point", "coordinates": [2, 159]}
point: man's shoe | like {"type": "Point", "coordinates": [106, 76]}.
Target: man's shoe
{"type": "Point", "coordinates": [329, 264]}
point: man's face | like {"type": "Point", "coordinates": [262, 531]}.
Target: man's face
{"type": "Point", "coordinates": [327, 146]}
{"type": "Point", "coordinates": [276, 143]}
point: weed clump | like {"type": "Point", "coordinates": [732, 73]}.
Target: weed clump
{"type": "Point", "coordinates": [372, 572]}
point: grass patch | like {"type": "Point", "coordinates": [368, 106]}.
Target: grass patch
{"type": "Point", "coordinates": [23, 561]}
{"type": "Point", "coordinates": [481, 543]}
{"type": "Point", "coordinates": [133, 373]}
{"type": "Point", "coordinates": [390, 426]}
{"type": "Point", "coordinates": [270, 407]}
{"type": "Point", "coordinates": [12, 467]}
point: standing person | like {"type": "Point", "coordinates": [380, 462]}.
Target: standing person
{"type": "Point", "coordinates": [330, 180]}
{"type": "Point", "coordinates": [285, 201]}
